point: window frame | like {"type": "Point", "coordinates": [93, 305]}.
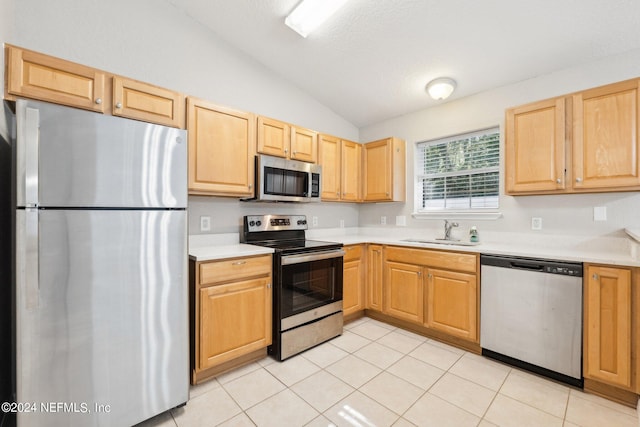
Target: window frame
{"type": "Point", "coordinates": [471, 213]}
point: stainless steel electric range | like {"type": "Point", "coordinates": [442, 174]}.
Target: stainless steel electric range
{"type": "Point", "coordinates": [307, 277]}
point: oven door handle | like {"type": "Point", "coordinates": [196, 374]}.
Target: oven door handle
{"type": "Point", "coordinates": [316, 256]}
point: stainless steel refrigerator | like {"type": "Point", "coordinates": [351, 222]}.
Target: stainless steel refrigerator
{"type": "Point", "coordinates": [101, 308]}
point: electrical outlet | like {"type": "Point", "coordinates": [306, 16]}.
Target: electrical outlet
{"type": "Point", "coordinates": [314, 221]}
{"type": "Point", "coordinates": [342, 223]}
{"type": "Point", "coordinates": [600, 213]}
{"type": "Point", "coordinates": [383, 220]}
{"type": "Point", "coordinates": [401, 220]}
{"type": "Point", "coordinates": [205, 223]}
{"type": "Point", "coordinates": [536, 223]}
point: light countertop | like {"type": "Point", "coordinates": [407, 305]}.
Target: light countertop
{"type": "Point", "coordinates": [622, 251]}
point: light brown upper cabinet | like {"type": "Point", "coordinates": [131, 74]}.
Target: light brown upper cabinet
{"type": "Point", "coordinates": [583, 142]}
{"type": "Point", "coordinates": [384, 170]}
{"type": "Point", "coordinates": [38, 76]}
{"type": "Point", "coordinates": [221, 149]}
{"type": "Point", "coordinates": [535, 147]}
{"type": "Point", "coordinates": [35, 75]}
{"type": "Point", "coordinates": [142, 101]}
{"type": "Point", "coordinates": [281, 139]}
{"type": "Point", "coordinates": [304, 144]}
{"type": "Point", "coordinates": [340, 160]}
{"type": "Point", "coordinates": [606, 123]}
{"type": "Point", "coordinates": [274, 137]}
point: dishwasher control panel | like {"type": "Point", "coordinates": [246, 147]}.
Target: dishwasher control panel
{"type": "Point", "coordinates": [566, 270]}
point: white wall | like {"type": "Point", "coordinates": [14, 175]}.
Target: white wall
{"type": "Point", "coordinates": [152, 41]}
{"type": "Point", "coordinates": [565, 214]}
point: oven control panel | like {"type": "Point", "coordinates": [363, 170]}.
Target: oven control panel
{"type": "Point", "coordinates": [256, 223]}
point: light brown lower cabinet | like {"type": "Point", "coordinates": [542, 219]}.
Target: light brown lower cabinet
{"type": "Point", "coordinates": [353, 296]}
{"type": "Point", "coordinates": [436, 290]}
{"type": "Point", "coordinates": [403, 291]}
{"type": "Point", "coordinates": [374, 277]}
{"type": "Point", "coordinates": [452, 303]}
{"type": "Point", "coordinates": [231, 304]}
{"type": "Point", "coordinates": [611, 327]}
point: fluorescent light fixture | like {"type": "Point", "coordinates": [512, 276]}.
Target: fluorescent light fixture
{"type": "Point", "coordinates": [441, 87]}
{"type": "Point", "coordinates": [310, 14]}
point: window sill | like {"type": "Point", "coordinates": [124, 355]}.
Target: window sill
{"type": "Point", "coordinates": [457, 215]}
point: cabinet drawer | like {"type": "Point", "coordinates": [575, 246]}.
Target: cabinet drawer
{"type": "Point", "coordinates": [442, 259]}
{"type": "Point", "coordinates": [232, 269]}
{"type": "Point", "coordinates": [352, 252]}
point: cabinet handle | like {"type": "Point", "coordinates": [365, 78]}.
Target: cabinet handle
{"type": "Point", "coordinates": [239, 263]}
{"type": "Point", "coordinates": [286, 150]}
{"type": "Point", "coordinates": [98, 101]}
{"type": "Point", "coordinates": [118, 104]}
{"type": "Point", "coordinates": [387, 193]}
{"type": "Point", "coordinates": [250, 186]}
{"type": "Point", "coordinates": [595, 277]}
{"type": "Point", "coordinates": [430, 276]}
{"type": "Point", "coordinates": [419, 273]}
{"type": "Point", "coordinates": [338, 193]}
{"type": "Point", "coordinates": [268, 285]}
{"type": "Point", "coordinates": [578, 179]}
{"type": "Point", "coordinates": [558, 180]}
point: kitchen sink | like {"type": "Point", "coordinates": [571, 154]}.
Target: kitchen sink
{"type": "Point", "coordinates": [442, 242]}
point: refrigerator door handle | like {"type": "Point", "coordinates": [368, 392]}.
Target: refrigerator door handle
{"type": "Point", "coordinates": [27, 155]}
{"type": "Point", "coordinates": [31, 250]}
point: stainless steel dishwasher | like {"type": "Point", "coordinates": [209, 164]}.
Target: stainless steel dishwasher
{"type": "Point", "coordinates": [531, 315]}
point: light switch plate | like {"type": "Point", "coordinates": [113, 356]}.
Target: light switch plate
{"type": "Point", "coordinates": [401, 220]}
{"type": "Point", "coordinates": [314, 221]}
{"type": "Point", "coordinates": [600, 213]}
{"type": "Point", "coordinates": [342, 223]}
{"type": "Point", "coordinates": [383, 220]}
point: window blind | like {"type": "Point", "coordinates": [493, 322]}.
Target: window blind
{"type": "Point", "coordinates": [459, 172]}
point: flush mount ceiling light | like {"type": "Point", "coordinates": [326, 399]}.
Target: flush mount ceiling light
{"type": "Point", "coordinates": [310, 14]}
{"type": "Point", "coordinates": [441, 88]}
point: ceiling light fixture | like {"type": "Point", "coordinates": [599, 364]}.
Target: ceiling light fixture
{"type": "Point", "coordinates": [310, 14]}
{"type": "Point", "coordinates": [441, 87]}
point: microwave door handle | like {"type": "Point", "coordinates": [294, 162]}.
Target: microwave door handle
{"type": "Point", "coordinates": [316, 256]}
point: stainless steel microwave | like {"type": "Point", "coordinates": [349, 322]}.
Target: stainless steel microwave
{"type": "Point", "coordinates": [282, 180]}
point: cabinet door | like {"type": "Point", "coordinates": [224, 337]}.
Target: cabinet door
{"type": "Point", "coordinates": [38, 76]}
{"type": "Point", "coordinates": [329, 158]}
{"type": "Point", "coordinates": [221, 149]}
{"type": "Point", "coordinates": [374, 277]}
{"type": "Point", "coordinates": [452, 303]}
{"type": "Point", "coordinates": [535, 147]}
{"type": "Point", "coordinates": [274, 137]}
{"type": "Point", "coordinates": [608, 325]}
{"type": "Point", "coordinates": [404, 291]}
{"type": "Point", "coordinates": [235, 319]}
{"type": "Point", "coordinates": [378, 174]}
{"type": "Point", "coordinates": [352, 294]}
{"type": "Point", "coordinates": [605, 136]}
{"type": "Point", "coordinates": [304, 145]}
{"type": "Point", "coordinates": [350, 170]}
{"type": "Point", "coordinates": [142, 101]}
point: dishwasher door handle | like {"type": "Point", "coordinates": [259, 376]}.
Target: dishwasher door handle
{"type": "Point", "coordinates": [526, 266]}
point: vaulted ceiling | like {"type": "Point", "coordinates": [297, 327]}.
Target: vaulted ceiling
{"type": "Point", "coordinates": [373, 58]}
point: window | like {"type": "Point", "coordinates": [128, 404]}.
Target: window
{"type": "Point", "coordinates": [459, 173]}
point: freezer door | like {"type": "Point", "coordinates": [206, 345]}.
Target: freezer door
{"type": "Point", "coordinates": [77, 158]}
{"type": "Point", "coordinates": [102, 337]}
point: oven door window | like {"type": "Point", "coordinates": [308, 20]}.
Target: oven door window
{"type": "Point", "coordinates": [309, 285]}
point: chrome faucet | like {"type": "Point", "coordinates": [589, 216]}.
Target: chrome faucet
{"type": "Point", "coordinates": [447, 229]}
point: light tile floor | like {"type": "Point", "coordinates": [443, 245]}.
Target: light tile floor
{"type": "Point", "coordinates": [379, 375]}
